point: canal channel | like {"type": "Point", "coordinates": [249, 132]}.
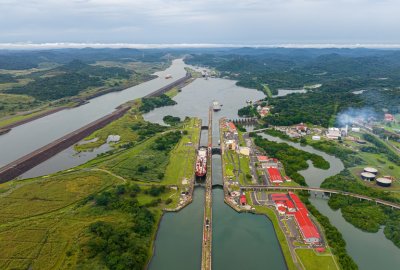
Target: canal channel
{"type": "Point", "coordinates": [370, 251]}
{"type": "Point", "coordinates": [238, 239]}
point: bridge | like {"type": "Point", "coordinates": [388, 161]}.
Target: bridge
{"type": "Point", "coordinates": [325, 190]}
{"type": "Point", "coordinates": [204, 127]}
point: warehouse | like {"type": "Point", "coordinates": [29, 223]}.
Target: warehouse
{"type": "Point", "coordinates": [274, 175]}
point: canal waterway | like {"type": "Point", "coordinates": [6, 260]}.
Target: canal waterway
{"type": "Point", "coordinates": [26, 138]}
{"type": "Point", "coordinates": [231, 231]}
{"type": "Point", "coordinates": [370, 251]}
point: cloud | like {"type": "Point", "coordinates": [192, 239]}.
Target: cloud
{"type": "Point", "coordinates": [200, 21]}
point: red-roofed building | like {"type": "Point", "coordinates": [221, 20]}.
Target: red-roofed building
{"type": "Point", "coordinates": [389, 117]}
{"type": "Point", "coordinates": [232, 127]}
{"type": "Point", "coordinates": [262, 159]}
{"type": "Point", "coordinates": [307, 228]}
{"type": "Point", "coordinates": [243, 200]}
{"type": "Point", "coordinates": [274, 175]}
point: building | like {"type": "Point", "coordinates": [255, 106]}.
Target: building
{"type": "Point", "coordinates": [316, 138]}
{"type": "Point", "coordinates": [333, 133]}
{"type": "Point", "coordinates": [368, 176]}
{"type": "Point", "coordinates": [231, 144]}
{"type": "Point", "coordinates": [232, 128]}
{"type": "Point", "coordinates": [291, 205]}
{"type": "Point", "coordinates": [113, 138]}
{"type": "Point", "coordinates": [243, 200]}
{"type": "Point", "coordinates": [301, 128]}
{"type": "Point", "coordinates": [371, 170]}
{"type": "Point", "coordinates": [244, 151]}
{"type": "Point", "coordinates": [274, 175]}
{"type": "Point", "coordinates": [389, 117]}
{"type": "Point", "coordinates": [262, 159]}
{"type": "Point", "coordinates": [307, 228]}
{"type": "Point", "coordinates": [384, 182]}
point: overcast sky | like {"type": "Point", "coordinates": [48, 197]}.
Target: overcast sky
{"type": "Point", "coordinates": [200, 21]}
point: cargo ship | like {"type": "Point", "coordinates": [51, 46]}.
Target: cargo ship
{"type": "Point", "coordinates": [216, 106]}
{"type": "Point", "coordinates": [201, 162]}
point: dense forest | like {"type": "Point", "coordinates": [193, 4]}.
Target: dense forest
{"type": "Point", "coordinates": [364, 215]}
{"type": "Point", "coordinates": [117, 246]}
{"type": "Point", "coordinates": [69, 80]}
{"type": "Point", "coordinates": [151, 103]}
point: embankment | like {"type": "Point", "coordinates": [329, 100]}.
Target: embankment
{"type": "Point", "coordinates": [29, 161]}
{"type": "Point", "coordinates": [25, 163]}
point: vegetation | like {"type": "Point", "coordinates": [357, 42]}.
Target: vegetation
{"type": "Point", "coordinates": [313, 261]}
{"type": "Point", "coordinates": [151, 103]}
{"type": "Point", "coordinates": [294, 160]}
{"type": "Point", "coordinates": [249, 111]}
{"type": "Point", "coordinates": [364, 215]}
{"type": "Point", "coordinates": [171, 120]}
{"type": "Point", "coordinates": [382, 148]}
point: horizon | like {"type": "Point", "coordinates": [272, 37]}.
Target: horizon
{"type": "Point", "coordinates": [73, 45]}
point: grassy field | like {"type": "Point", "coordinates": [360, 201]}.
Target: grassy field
{"type": "Point", "coordinates": [40, 221]}
{"type": "Point", "coordinates": [121, 127]}
{"type": "Point", "coordinates": [183, 156]}
{"type": "Point", "coordinates": [313, 261]}
{"type": "Point", "coordinates": [281, 237]}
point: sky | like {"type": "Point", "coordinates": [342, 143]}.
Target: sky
{"type": "Point", "coordinates": [245, 22]}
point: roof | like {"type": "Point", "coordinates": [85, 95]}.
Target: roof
{"type": "Point", "coordinates": [307, 227]}
{"type": "Point", "coordinates": [231, 126]}
{"type": "Point", "coordinates": [243, 199]}
{"type": "Point", "coordinates": [262, 158]}
{"type": "Point", "coordinates": [274, 174]}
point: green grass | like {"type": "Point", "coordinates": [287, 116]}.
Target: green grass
{"type": "Point", "coordinates": [40, 222]}
{"type": "Point", "coordinates": [267, 91]}
{"type": "Point", "coordinates": [313, 261]}
{"type": "Point", "coordinates": [280, 235]}
{"type": "Point", "coordinates": [121, 127]}
{"type": "Point", "coordinates": [183, 156]}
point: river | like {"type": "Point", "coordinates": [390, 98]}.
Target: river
{"type": "Point", "coordinates": [370, 251]}
{"type": "Point", "coordinates": [26, 138]}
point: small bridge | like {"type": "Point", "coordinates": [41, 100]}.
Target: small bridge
{"type": "Point", "coordinates": [216, 151]}
{"type": "Point", "coordinates": [325, 190]}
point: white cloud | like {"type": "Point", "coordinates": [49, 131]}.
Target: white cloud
{"type": "Point", "coordinates": [219, 21]}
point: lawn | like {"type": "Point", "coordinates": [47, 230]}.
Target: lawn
{"type": "Point", "coordinates": [183, 156]}
{"type": "Point", "coordinates": [40, 221]}
{"type": "Point", "coordinates": [313, 261]}
{"type": "Point", "coordinates": [280, 235]}
{"type": "Point", "coordinates": [121, 127]}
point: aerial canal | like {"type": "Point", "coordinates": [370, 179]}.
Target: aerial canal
{"type": "Point", "coordinates": [238, 239]}
{"type": "Point", "coordinates": [370, 251]}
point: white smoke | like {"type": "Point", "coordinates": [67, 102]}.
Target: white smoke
{"type": "Point", "coordinates": [355, 115]}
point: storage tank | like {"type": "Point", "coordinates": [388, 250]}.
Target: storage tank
{"type": "Point", "coordinates": [371, 170]}
{"type": "Point", "coordinates": [384, 182]}
{"type": "Point", "coordinates": [368, 176]}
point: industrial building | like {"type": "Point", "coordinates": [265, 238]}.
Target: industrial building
{"type": "Point", "coordinates": [289, 204]}
{"type": "Point", "coordinates": [274, 175]}
{"type": "Point", "coordinates": [384, 182]}
{"type": "Point", "coordinates": [368, 176]}
{"type": "Point", "coordinates": [371, 170]}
